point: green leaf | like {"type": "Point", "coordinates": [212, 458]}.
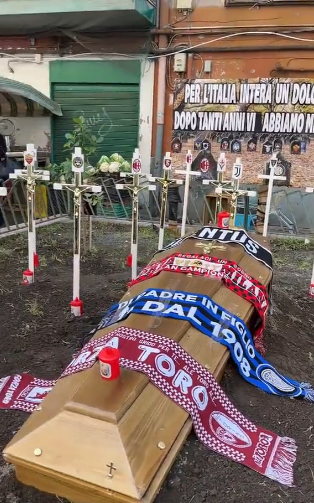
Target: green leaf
{"type": "Point", "coordinates": [100, 139]}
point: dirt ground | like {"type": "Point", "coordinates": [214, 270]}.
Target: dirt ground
{"type": "Point", "coordinates": [38, 336]}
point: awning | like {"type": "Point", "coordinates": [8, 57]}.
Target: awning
{"type": "Point", "coordinates": [21, 100]}
{"type": "Point", "coordinates": [31, 16]}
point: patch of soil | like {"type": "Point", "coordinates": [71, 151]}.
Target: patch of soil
{"type": "Point", "coordinates": [39, 337]}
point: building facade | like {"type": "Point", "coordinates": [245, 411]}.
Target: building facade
{"type": "Point", "coordinates": [247, 47]}
{"type": "Point", "coordinates": [89, 63]}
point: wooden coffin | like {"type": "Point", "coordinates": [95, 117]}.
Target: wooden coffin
{"type": "Point", "coordinates": [85, 424]}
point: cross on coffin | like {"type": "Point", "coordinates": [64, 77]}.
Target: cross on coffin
{"type": "Point", "coordinates": [208, 247]}
{"type": "Point", "coordinates": [271, 177]}
{"type": "Point", "coordinates": [111, 469]}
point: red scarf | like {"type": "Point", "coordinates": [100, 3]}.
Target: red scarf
{"type": "Point", "coordinates": [229, 272]}
{"type": "Point", "coordinates": [217, 423]}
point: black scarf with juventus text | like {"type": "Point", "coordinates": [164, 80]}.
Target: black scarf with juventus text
{"type": "Point", "coordinates": [236, 236]}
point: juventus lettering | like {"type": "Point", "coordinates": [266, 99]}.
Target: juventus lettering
{"type": "Point", "coordinates": [240, 237]}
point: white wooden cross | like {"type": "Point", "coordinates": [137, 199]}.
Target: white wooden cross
{"type": "Point", "coordinates": [220, 183]}
{"type": "Point", "coordinates": [135, 188]}
{"type": "Point", "coordinates": [3, 192]}
{"type": "Point", "coordinates": [165, 182]}
{"type": "Point", "coordinates": [309, 190]}
{"type": "Point", "coordinates": [271, 177]}
{"type": "Point", "coordinates": [31, 175]}
{"type": "Point", "coordinates": [188, 174]}
{"type": "Point", "coordinates": [235, 191]}
{"type": "Point", "coordinates": [77, 188]}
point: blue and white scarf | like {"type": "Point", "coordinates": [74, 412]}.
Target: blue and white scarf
{"type": "Point", "coordinates": [219, 324]}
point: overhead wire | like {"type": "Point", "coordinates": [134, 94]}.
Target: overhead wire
{"type": "Point", "coordinates": [167, 55]}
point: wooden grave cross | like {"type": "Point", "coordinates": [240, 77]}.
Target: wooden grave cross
{"type": "Point", "coordinates": [309, 190]}
{"type": "Point", "coordinates": [3, 193]}
{"type": "Point", "coordinates": [78, 188]}
{"type": "Point", "coordinates": [165, 182]}
{"type": "Point", "coordinates": [31, 175]}
{"type": "Point", "coordinates": [271, 177]}
{"type": "Point", "coordinates": [220, 183]}
{"type": "Point", "coordinates": [135, 188]}
{"type": "Point", "coordinates": [188, 174]}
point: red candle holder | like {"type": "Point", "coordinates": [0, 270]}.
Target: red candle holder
{"type": "Point", "coordinates": [28, 277]}
{"type": "Point", "coordinates": [77, 307]}
{"type": "Point", "coordinates": [223, 220]}
{"type": "Point", "coordinates": [109, 363]}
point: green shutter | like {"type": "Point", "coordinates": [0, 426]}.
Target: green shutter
{"type": "Point", "coordinates": [112, 111]}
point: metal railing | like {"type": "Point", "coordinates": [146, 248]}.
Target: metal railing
{"type": "Point", "coordinates": [292, 210]}
{"type": "Point", "coordinates": [50, 205]}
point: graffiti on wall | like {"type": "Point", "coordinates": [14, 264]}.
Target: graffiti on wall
{"type": "Point", "coordinates": [251, 119]}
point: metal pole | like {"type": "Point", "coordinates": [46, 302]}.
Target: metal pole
{"type": "Point", "coordinates": [134, 244]}
{"type": "Point", "coordinates": [246, 211]}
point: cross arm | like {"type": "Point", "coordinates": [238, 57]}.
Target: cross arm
{"type": "Point", "coordinates": [82, 188]}
{"type": "Point", "coordinates": [190, 173]}
{"type": "Point", "coordinates": [123, 186]}
{"type": "Point", "coordinates": [275, 177]}
{"type": "Point", "coordinates": [163, 180]}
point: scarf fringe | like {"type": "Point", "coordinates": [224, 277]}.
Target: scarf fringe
{"type": "Point", "coordinates": [280, 468]}
{"type": "Point", "coordinates": [309, 394]}
{"type": "Point", "coordinates": [308, 391]}
{"type": "Point", "coordinates": [260, 345]}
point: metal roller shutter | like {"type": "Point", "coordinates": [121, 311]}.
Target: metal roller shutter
{"type": "Point", "coordinates": [111, 111]}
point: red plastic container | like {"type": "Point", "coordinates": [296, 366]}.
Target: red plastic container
{"type": "Point", "coordinates": [77, 307]}
{"type": "Point", "coordinates": [223, 219]}
{"type": "Point", "coordinates": [28, 277]}
{"type": "Point", "coordinates": [109, 363]}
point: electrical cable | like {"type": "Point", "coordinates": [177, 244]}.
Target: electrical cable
{"type": "Point", "coordinates": [185, 49]}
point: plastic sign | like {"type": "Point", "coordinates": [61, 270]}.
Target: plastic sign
{"type": "Point", "coordinates": [167, 162]}
{"type": "Point", "coordinates": [204, 165]}
{"type": "Point", "coordinates": [136, 166]}
{"type": "Point", "coordinates": [189, 158]}
{"type": "Point", "coordinates": [77, 162]}
{"type": "Point", "coordinates": [237, 169]}
{"type": "Point", "coordinates": [29, 159]}
{"type": "Point", "coordinates": [30, 155]}
{"type": "Point", "coordinates": [221, 164]}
